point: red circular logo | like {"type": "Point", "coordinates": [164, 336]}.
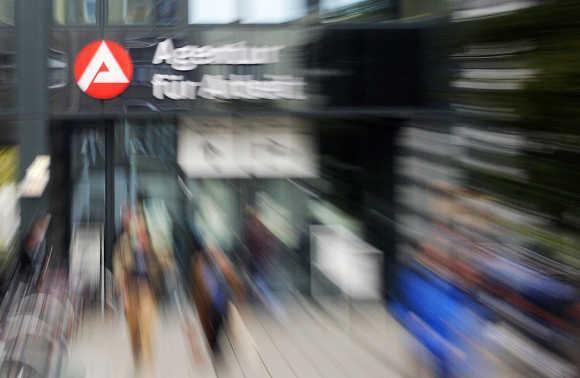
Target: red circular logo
{"type": "Point", "coordinates": [103, 69]}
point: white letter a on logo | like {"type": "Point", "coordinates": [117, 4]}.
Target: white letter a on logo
{"type": "Point", "coordinates": [113, 75]}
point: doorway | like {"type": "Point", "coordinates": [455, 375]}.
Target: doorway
{"type": "Point", "coordinates": [98, 167]}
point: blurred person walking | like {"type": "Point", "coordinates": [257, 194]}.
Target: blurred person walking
{"type": "Point", "coordinates": [259, 243]}
{"type": "Point", "coordinates": [32, 253]}
{"type": "Point", "coordinates": [215, 285]}
{"type": "Point", "coordinates": [137, 271]}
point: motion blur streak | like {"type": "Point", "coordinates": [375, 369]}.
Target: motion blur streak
{"type": "Point", "coordinates": [290, 188]}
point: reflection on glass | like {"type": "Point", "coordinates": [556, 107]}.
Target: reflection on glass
{"type": "Point", "coordinates": [57, 69]}
{"type": "Point", "coordinates": [145, 152]}
{"type": "Point", "coordinates": [217, 213]}
{"type": "Point", "coordinates": [166, 11]}
{"type": "Point", "coordinates": [6, 12]}
{"type": "Point", "coordinates": [418, 8]}
{"type": "Point", "coordinates": [362, 10]}
{"type": "Point", "coordinates": [246, 11]}
{"type": "Point", "coordinates": [88, 173]}
{"type": "Point", "coordinates": [213, 11]}
{"type": "Point", "coordinates": [273, 11]}
{"type": "Point", "coordinates": [131, 11]}
{"type": "Point", "coordinates": [7, 69]}
{"type": "Point", "coordinates": [331, 5]}
{"type": "Point", "coordinates": [147, 138]}
{"type": "Point", "coordinates": [75, 12]}
{"type": "Point", "coordinates": [87, 210]}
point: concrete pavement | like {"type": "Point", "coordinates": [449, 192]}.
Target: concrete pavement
{"type": "Point", "coordinates": [306, 341]}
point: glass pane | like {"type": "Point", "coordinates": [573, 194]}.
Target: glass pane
{"type": "Point", "coordinates": [332, 5]}
{"type": "Point", "coordinates": [87, 208]}
{"type": "Point", "coordinates": [75, 12]}
{"type": "Point", "coordinates": [166, 11]}
{"type": "Point", "coordinates": [88, 176]}
{"type": "Point", "coordinates": [422, 8]}
{"type": "Point", "coordinates": [145, 138]}
{"type": "Point", "coordinates": [57, 69]}
{"type": "Point", "coordinates": [213, 11]}
{"type": "Point", "coordinates": [145, 154]}
{"type": "Point", "coordinates": [130, 12]}
{"type": "Point", "coordinates": [216, 214]}
{"type": "Point", "coordinates": [273, 11]}
{"type": "Point", "coordinates": [359, 10]}
{"type": "Point", "coordinates": [7, 12]}
{"type": "Point", "coordinates": [7, 69]}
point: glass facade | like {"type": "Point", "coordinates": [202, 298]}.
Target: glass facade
{"type": "Point", "coordinates": [144, 156]}
{"type": "Point", "coordinates": [166, 12]}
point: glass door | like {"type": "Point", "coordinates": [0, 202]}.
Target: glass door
{"type": "Point", "coordinates": [88, 213]}
{"type": "Point", "coordinates": [146, 172]}
{"type": "Point", "coordinates": [113, 164]}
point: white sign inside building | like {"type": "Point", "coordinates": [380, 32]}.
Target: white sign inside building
{"type": "Point", "coordinates": [216, 149]}
{"type": "Point", "coordinates": [209, 149]}
{"type": "Point", "coordinates": [281, 152]}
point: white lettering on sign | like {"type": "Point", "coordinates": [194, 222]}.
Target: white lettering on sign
{"type": "Point", "coordinates": [217, 87]}
{"type": "Point", "coordinates": [236, 87]}
{"type": "Point", "coordinates": [187, 58]}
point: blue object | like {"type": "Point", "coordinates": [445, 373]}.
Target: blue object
{"type": "Point", "coordinates": [217, 293]}
{"type": "Point", "coordinates": [530, 283]}
{"type": "Point", "coordinates": [440, 316]}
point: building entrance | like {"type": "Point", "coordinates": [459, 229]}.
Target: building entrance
{"type": "Point", "coordinates": [98, 168]}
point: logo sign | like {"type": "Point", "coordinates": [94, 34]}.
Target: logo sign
{"type": "Point", "coordinates": [103, 69]}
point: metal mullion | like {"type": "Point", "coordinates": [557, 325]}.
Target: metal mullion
{"type": "Point", "coordinates": [102, 16]}
{"type": "Point", "coordinates": [239, 11]}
